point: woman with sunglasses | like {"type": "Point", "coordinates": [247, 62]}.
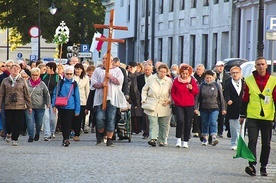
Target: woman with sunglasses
{"type": "Point", "coordinates": [67, 87]}
{"type": "Point", "coordinates": [184, 90]}
{"type": "Point", "coordinates": [40, 98]}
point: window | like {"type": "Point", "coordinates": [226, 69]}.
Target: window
{"type": "Point", "coordinates": [215, 48]}
{"type": "Point", "coordinates": [161, 6]}
{"type": "Point", "coordinates": [205, 2]}
{"type": "Point", "coordinates": [170, 50]}
{"type": "Point", "coordinates": [216, 1]}
{"type": "Point", "coordinates": [160, 50]}
{"type": "Point", "coordinates": [226, 1]}
{"type": "Point", "coordinates": [192, 49]}
{"type": "Point", "coordinates": [181, 4]}
{"type": "Point", "coordinates": [128, 11]}
{"type": "Point", "coordinates": [205, 49]}
{"type": "Point", "coordinates": [171, 5]}
{"type": "Point", "coordinates": [181, 49]}
{"type": "Point", "coordinates": [193, 3]}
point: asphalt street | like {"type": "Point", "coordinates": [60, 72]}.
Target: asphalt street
{"type": "Point", "coordinates": [84, 161]}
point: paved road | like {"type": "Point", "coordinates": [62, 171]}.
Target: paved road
{"type": "Point", "coordinates": [126, 162]}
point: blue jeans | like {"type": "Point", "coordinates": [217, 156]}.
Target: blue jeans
{"type": "Point", "coordinates": [36, 117]}
{"type": "Point", "coordinates": [49, 121]}
{"type": "Point", "coordinates": [106, 118]}
{"type": "Point", "coordinates": [209, 122]}
{"type": "Point", "coordinates": [235, 131]}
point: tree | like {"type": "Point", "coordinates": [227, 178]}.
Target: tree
{"type": "Point", "coordinates": [79, 15]}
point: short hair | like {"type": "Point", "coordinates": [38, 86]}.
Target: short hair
{"type": "Point", "coordinates": [163, 66]}
{"type": "Point", "coordinates": [80, 66]}
{"type": "Point", "coordinates": [90, 68]}
{"type": "Point", "coordinates": [200, 65]}
{"type": "Point", "coordinates": [235, 67]}
{"type": "Point", "coordinates": [35, 70]}
{"type": "Point", "coordinates": [209, 72]}
{"type": "Point", "coordinates": [9, 61]}
{"type": "Point", "coordinates": [116, 59]}
{"type": "Point", "coordinates": [41, 65]}
{"type": "Point", "coordinates": [52, 65]}
{"type": "Point", "coordinates": [259, 58]}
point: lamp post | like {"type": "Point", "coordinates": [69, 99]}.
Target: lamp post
{"type": "Point", "coordinates": [260, 46]}
{"type": "Point", "coordinates": [52, 10]}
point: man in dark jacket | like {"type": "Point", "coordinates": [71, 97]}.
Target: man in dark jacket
{"type": "Point", "coordinates": [222, 77]}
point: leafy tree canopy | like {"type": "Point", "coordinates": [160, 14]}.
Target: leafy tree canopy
{"type": "Point", "coordinates": [79, 15]}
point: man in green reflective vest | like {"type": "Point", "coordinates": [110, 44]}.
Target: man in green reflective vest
{"type": "Point", "coordinates": [259, 109]}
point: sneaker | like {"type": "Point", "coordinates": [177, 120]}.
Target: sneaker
{"type": "Point", "coordinates": [204, 142]}
{"type": "Point", "coordinates": [47, 138]}
{"type": "Point", "coordinates": [220, 135]}
{"type": "Point", "coordinates": [76, 138]}
{"type": "Point", "coordinates": [72, 134]}
{"type": "Point", "coordinates": [53, 135]}
{"type": "Point", "coordinates": [185, 145]}
{"type": "Point", "coordinates": [152, 143]}
{"type": "Point", "coordinates": [196, 135]}
{"type": "Point", "coordinates": [178, 142]}
{"type": "Point", "coordinates": [109, 143]}
{"type": "Point", "coordinates": [105, 139]}
{"type": "Point", "coordinates": [215, 142]}
{"type": "Point", "coordinates": [86, 129]}
{"type": "Point", "coordinates": [263, 171]}
{"type": "Point", "coordinates": [250, 170]}
{"type": "Point", "coordinates": [30, 139]}
{"type": "Point", "coordinates": [66, 143]}
{"type": "Point", "coordinates": [14, 143]}
{"type": "Point", "coordinates": [36, 137]}
{"type": "Point", "coordinates": [99, 139]}
{"type": "Point", "coordinates": [234, 148]}
{"type": "Point", "coordinates": [8, 138]}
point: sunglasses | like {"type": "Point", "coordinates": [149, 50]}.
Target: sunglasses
{"type": "Point", "coordinates": [35, 75]}
{"type": "Point", "coordinates": [69, 74]}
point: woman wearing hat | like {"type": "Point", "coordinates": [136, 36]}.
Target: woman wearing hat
{"type": "Point", "coordinates": [184, 90]}
{"type": "Point", "coordinates": [67, 87]}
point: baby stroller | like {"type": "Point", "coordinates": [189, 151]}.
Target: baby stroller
{"type": "Point", "coordinates": [124, 125]}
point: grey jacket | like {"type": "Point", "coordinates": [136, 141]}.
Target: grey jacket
{"type": "Point", "coordinates": [210, 97]}
{"type": "Point", "coordinates": [40, 95]}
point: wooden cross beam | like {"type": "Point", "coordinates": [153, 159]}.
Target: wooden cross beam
{"type": "Point", "coordinates": [109, 40]}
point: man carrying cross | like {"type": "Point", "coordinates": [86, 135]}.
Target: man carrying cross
{"type": "Point", "coordinates": [105, 118]}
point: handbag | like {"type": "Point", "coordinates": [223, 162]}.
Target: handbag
{"type": "Point", "coordinates": [150, 104]}
{"type": "Point", "coordinates": [63, 101]}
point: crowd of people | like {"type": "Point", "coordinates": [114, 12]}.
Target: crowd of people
{"type": "Point", "coordinates": [69, 99]}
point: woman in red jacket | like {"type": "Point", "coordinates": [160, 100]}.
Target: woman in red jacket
{"type": "Point", "coordinates": [183, 94]}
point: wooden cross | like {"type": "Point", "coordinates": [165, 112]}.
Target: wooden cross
{"type": "Point", "coordinates": [109, 40]}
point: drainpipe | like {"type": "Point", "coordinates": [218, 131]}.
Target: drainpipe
{"type": "Point", "coordinates": [152, 29]}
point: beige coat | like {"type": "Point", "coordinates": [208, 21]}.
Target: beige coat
{"type": "Point", "coordinates": [160, 90]}
{"type": "Point", "coordinates": [23, 96]}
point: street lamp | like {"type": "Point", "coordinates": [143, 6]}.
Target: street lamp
{"type": "Point", "coordinates": [52, 10]}
{"type": "Point", "coordinates": [260, 46]}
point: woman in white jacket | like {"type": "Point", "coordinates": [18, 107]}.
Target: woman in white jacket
{"type": "Point", "coordinates": [158, 88]}
{"type": "Point", "coordinates": [84, 88]}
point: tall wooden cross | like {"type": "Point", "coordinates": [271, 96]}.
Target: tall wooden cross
{"type": "Point", "coordinates": [109, 40]}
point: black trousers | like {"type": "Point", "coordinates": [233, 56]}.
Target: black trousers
{"type": "Point", "coordinates": [220, 123]}
{"type": "Point", "coordinates": [253, 127]}
{"type": "Point", "coordinates": [14, 122]}
{"type": "Point", "coordinates": [77, 121]}
{"type": "Point", "coordinates": [65, 117]}
{"type": "Point", "coordinates": [184, 116]}
{"type": "Point", "coordinates": [196, 124]}
{"type": "Point", "coordinates": [145, 125]}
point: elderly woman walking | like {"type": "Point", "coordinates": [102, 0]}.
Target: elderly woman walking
{"type": "Point", "coordinates": [16, 98]}
{"type": "Point", "coordinates": [156, 99]}
{"type": "Point", "coordinates": [184, 91]}
{"type": "Point", "coordinates": [40, 98]}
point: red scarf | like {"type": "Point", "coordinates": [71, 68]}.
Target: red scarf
{"type": "Point", "coordinates": [35, 83]}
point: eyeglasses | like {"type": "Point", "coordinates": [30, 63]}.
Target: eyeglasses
{"type": "Point", "coordinates": [69, 74]}
{"type": "Point", "coordinates": [35, 75]}
{"type": "Point", "coordinates": [234, 72]}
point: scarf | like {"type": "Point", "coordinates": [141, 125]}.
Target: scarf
{"type": "Point", "coordinates": [13, 80]}
{"type": "Point", "coordinates": [188, 80]}
{"type": "Point", "coordinates": [35, 83]}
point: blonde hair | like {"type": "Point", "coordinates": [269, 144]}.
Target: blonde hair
{"type": "Point", "coordinates": [35, 70]}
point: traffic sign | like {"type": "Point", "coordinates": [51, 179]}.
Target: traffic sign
{"type": "Point", "coordinates": [19, 55]}
{"type": "Point", "coordinates": [84, 47]}
{"type": "Point", "coordinates": [271, 27]}
{"type": "Point", "coordinates": [34, 31]}
{"type": "Point", "coordinates": [84, 54]}
{"type": "Point", "coordinates": [33, 57]}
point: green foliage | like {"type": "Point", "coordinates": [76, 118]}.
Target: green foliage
{"type": "Point", "coordinates": [79, 15]}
